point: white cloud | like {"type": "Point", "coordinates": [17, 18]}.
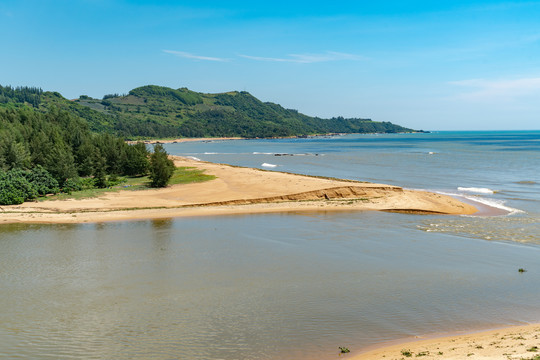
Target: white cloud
{"type": "Point", "coordinates": [187, 55]}
{"type": "Point", "coordinates": [309, 58]}
{"type": "Point", "coordinates": [498, 90]}
{"type": "Point", "coordinates": [259, 58]}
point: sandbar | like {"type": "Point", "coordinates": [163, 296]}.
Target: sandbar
{"type": "Point", "coordinates": [510, 343]}
{"type": "Point", "coordinates": [237, 190]}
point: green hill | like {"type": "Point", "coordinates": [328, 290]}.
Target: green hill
{"type": "Point", "coordinates": [156, 112]}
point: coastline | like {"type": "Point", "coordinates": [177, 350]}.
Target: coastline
{"type": "Point", "coordinates": [237, 190]}
{"type": "Point", "coordinates": [508, 343]}
{"type": "Point", "coordinates": [181, 140]}
{"type": "Point", "coordinates": [202, 139]}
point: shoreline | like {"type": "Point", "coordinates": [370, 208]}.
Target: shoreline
{"type": "Point", "coordinates": [182, 140]}
{"type": "Point", "coordinates": [237, 190]}
{"type": "Point", "coordinates": [507, 342]}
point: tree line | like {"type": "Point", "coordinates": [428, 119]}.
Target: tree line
{"type": "Point", "coordinates": [44, 153]}
{"type": "Point", "coordinates": [21, 94]}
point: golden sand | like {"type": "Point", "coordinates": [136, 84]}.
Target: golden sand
{"type": "Point", "coordinates": [512, 343]}
{"type": "Point", "coordinates": [236, 190]}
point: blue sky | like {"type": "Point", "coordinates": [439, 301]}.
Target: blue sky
{"type": "Point", "coordinates": [433, 65]}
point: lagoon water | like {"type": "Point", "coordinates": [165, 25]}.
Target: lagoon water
{"type": "Point", "coordinates": [291, 285]}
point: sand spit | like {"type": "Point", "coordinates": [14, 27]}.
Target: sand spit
{"type": "Point", "coordinates": [237, 190]}
{"type": "Point", "coordinates": [513, 343]}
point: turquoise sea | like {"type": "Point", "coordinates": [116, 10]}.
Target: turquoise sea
{"type": "Point", "coordinates": [289, 285]}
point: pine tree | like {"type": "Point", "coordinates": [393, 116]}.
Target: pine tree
{"type": "Point", "coordinates": [161, 167]}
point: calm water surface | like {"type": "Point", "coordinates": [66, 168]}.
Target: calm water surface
{"type": "Point", "coordinates": [292, 285]}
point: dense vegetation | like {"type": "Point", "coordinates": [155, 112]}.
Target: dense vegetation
{"type": "Point", "coordinates": [157, 112]}
{"type": "Point", "coordinates": [44, 153]}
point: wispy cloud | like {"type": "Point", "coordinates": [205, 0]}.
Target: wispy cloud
{"type": "Point", "coordinates": [308, 58]}
{"type": "Point", "coordinates": [498, 90]}
{"type": "Point", "coordinates": [187, 55]}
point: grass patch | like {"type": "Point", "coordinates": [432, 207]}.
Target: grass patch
{"type": "Point", "coordinates": [182, 175]}
{"type": "Point", "coordinates": [78, 195]}
{"type": "Point", "coordinates": [188, 175]}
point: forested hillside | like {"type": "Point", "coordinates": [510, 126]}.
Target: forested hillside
{"type": "Point", "coordinates": [154, 111]}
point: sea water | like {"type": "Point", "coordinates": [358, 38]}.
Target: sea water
{"type": "Point", "coordinates": [498, 169]}
{"type": "Point", "coordinates": [289, 285]}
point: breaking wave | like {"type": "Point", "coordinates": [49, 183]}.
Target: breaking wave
{"type": "Point", "coordinates": [476, 190]}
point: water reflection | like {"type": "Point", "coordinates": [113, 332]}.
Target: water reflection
{"type": "Point", "coordinates": [250, 287]}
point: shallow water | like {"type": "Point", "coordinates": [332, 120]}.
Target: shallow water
{"type": "Point", "coordinates": [250, 287]}
{"type": "Point", "coordinates": [291, 285]}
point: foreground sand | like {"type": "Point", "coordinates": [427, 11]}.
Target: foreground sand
{"type": "Point", "coordinates": [236, 191]}
{"type": "Point", "coordinates": [521, 342]}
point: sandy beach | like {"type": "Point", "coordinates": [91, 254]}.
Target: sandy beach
{"type": "Point", "coordinates": [236, 190]}
{"type": "Point", "coordinates": [511, 343]}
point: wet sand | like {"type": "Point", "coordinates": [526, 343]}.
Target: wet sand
{"type": "Point", "coordinates": [236, 190]}
{"type": "Point", "coordinates": [512, 343]}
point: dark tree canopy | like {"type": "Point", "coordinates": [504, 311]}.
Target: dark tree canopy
{"type": "Point", "coordinates": [43, 153]}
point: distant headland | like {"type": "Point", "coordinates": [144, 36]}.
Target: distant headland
{"type": "Point", "coordinates": [160, 112]}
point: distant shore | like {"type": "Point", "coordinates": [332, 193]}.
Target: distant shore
{"type": "Point", "coordinates": [236, 190]}
{"type": "Point", "coordinates": [182, 140]}
{"type": "Point", "coordinates": [510, 343]}
{"type": "Point", "coordinates": [203, 139]}
{"type": "Point", "coordinates": [209, 139]}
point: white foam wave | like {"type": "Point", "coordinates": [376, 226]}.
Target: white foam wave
{"type": "Point", "coordinates": [268, 165]}
{"type": "Point", "coordinates": [193, 158]}
{"type": "Point", "coordinates": [499, 204]}
{"type": "Point", "coordinates": [210, 153]}
{"type": "Point", "coordinates": [262, 153]}
{"type": "Point", "coordinates": [476, 190]}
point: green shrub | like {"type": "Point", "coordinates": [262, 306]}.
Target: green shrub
{"type": "Point", "coordinates": [87, 183]}
{"type": "Point", "coordinates": [71, 185]}
{"type": "Point", "coordinates": [42, 181]}
{"type": "Point", "coordinates": [115, 180]}
{"type": "Point", "coordinates": [15, 188]}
